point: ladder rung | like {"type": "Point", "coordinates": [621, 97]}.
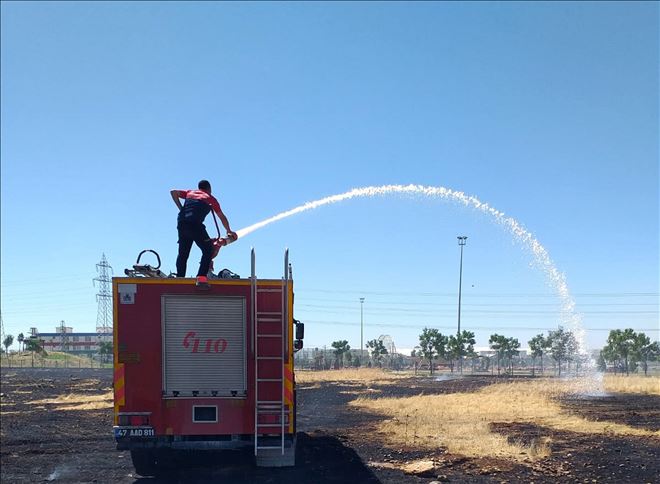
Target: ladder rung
{"type": "Point", "coordinates": [268, 320]}
{"type": "Point", "coordinates": [268, 379]}
{"type": "Point", "coordinates": [269, 335]}
{"type": "Point", "coordinates": [268, 401]}
{"type": "Point", "coordinates": [262, 447]}
{"type": "Point", "coordinates": [269, 357]}
{"type": "Point", "coordinates": [270, 425]}
{"type": "Point", "coordinates": [269, 290]}
{"type": "Point", "coordinates": [269, 313]}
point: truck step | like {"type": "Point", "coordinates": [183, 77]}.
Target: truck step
{"type": "Point", "coordinates": [274, 407]}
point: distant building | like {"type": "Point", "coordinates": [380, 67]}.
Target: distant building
{"type": "Point", "coordinates": [65, 339]}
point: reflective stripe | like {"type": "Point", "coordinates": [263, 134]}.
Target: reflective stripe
{"type": "Point", "coordinates": [288, 395]}
{"type": "Point", "coordinates": [120, 385]}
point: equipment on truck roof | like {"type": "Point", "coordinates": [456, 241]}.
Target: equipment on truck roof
{"type": "Point", "coordinates": [145, 270]}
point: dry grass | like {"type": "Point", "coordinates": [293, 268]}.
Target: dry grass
{"type": "Point", "coordinates": [649, 385]}
{"type": "Point", "coordinates": [78, 401]}
{"type": "Point", "coordinates": [101, 405]}
{"type": "Point", "coordinates": [360, 375]}
{"type": "Point", "coordinates": [461, 421]}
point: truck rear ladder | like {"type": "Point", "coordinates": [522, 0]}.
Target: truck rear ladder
{"type": "Point", "coordinates": [268, 449]}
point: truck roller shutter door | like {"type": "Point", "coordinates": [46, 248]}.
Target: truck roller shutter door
{"type": "Point", "coordinates": [203, 346]}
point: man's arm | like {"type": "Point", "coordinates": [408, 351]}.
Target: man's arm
{"type": "Point", "coordinates": [223, 219]}
{"type": "Point", "coordinates": [176, 195]}
{"type": "Point", "coordinates": [225, 222]}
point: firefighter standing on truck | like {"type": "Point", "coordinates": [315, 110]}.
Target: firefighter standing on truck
{"type": "Point", "coordinates": [191, 228]}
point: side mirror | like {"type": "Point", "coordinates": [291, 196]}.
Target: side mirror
{"type": "Point", "coordinates": [300, 329]}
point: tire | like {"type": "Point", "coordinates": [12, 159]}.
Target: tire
{"type": "Point", "coordinates": [144, 461]}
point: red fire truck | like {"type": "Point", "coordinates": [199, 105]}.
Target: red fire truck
{"type": "Point", "coordinates": [204, 367]}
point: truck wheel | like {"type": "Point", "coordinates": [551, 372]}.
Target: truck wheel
{"type": "Point", "coordinates": [144, 461]}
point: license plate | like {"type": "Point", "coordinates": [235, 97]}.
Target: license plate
{"type": "Point", "coordinates": [134, 433]}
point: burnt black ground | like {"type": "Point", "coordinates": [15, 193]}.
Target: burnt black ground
{"type": "Point", "coordinates": [336, 444]}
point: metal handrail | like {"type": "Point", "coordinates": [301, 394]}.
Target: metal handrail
{"type": "Point", "coordinates": [285, 295]}
{"type": "Point", "coordinates": [255, 343]}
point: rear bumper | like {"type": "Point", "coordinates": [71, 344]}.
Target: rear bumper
{"type": "Point", "coordinates": [184, 442]}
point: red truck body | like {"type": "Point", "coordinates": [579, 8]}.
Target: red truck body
{"type": "Point", "coordinates": [206, 367]}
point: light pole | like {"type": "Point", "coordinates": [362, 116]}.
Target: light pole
{"type": "Point", "coordinates": [461, 242]}
{"type": "Point", "coordinates": [361, 330]}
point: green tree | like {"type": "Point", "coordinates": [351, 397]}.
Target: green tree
{"type": "Point", "coordinates": [105, 349]}
{"type": "Point", "coordinates": [432, 344]}
{"type": "Point", "coordinates": [609, 355]}
{"type": "Point", "coordinates": [645, 351]}
{"type": "Point", "coordinates": [620, 347]}
{"type": "Point", "coordinates": [511, 346]}
{"type": "Point", "coordinates": [20, 339]}
{"type": "Point", "coordinates": [562, 346]}
{"type": "Point", "coordinates": [460, 346]}
{"type": "Point", "coordinates": [7, 342]}
{"type": "Point", "coordinates": [537, 346]}
{"type": "Point", "coordinates": [34, 345]}
{"type": "Point", "coordinates": [377, 350]}
{"type": "Point", "coordinates": [341, 347]}
{"type": "Point", "coordinates": [498, 343]}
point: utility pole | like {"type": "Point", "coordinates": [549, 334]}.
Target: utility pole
{"type": "Point", "coordinates": [461, 242]}
{"type": "Point", "coordinates": [361, 331]}
{"type": "Point", "coordinates": [104, 300]}
{"type": "Point", "coordinates": [2, 332]}
{"type": "Point", "coordinates": [2, 329]}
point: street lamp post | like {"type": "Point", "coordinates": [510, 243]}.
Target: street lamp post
{"type": "Point", "coordinates": [361, 330]}
{"type": "Point", "coordinates": [461, 242]}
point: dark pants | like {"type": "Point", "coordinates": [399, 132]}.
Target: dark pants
{"type": "Point", "coordinates": [189, 233]}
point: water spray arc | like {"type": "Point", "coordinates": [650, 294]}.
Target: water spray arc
{"type": "Point", "coordinates": [542, 259]}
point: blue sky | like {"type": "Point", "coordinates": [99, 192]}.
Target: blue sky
{"type": "Point", "coordinates": [547, 111]}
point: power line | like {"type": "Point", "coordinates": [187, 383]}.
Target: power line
{"type": "Point", "coordinates": [418, 303]}
{"type": "Point", "coordinates": [30, 282]}
{"type": "Point", "coordinates": [454, 294]}
{"type": "Point", "coordinates": [471, 311]}
{"type": "Point", "coordinates": [451, 327]}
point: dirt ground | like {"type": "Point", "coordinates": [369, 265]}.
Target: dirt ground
{"type": "Point", "coordinates": [43, 441]}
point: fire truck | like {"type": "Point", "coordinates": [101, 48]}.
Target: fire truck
{"type": "Point", "coordinates": [204, 367]}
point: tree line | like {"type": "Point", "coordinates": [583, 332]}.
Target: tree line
{"type": "Point", "coordinates": [33, 345]}
{"type": "Point", "coordinates": [624, 352]}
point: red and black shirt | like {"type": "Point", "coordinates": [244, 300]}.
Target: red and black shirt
{"type": "Point", "coordinates": [197, 206]}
